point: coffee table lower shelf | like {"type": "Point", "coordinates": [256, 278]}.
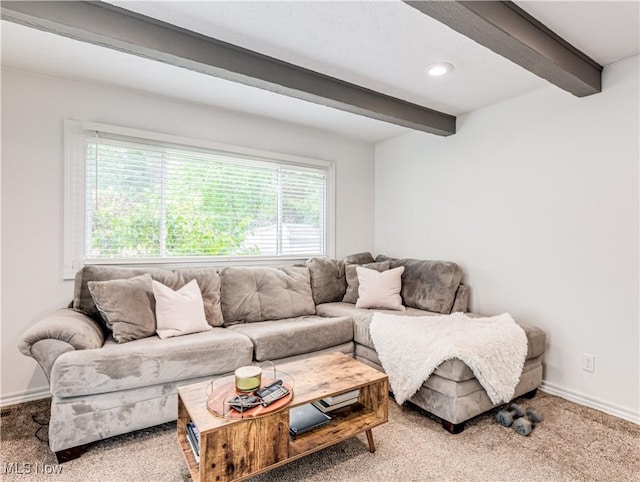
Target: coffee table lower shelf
{"type": "Point", "coordinates": [344, 425]}
{"type": "Point", "coordinates": [239, 449]}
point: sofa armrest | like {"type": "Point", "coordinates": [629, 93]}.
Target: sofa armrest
{"type": "Point", "coordinates": [74, 329]}
{"type": "Point", "coordinates": [46, 352]}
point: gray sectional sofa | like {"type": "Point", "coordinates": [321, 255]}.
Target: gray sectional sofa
{"type": "Point", "coordinates": [101, 388]}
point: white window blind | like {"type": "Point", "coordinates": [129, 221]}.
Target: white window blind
{"type": "Point", "coordinates": [149, 200]}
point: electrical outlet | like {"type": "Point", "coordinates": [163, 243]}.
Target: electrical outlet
{"type": "Point", "coordinates": [588, 362]}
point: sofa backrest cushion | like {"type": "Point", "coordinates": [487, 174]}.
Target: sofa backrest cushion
{"type": "Point", "coordinates": [359, 258]}
{"type": "Point", "coordinates": [461, 303]}
{"type": "Point", "coordinates": [209, 282]}
{"type": "Point", "coordinates": [207, 278]}
{"type": "Point", "coordinates": [252, 294]}
{"type": "Point", "coordinates": [327, 279]}
{"type": "Point", "coordinates": [428, 285]}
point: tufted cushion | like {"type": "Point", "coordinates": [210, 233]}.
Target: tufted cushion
{"type": "Point", "coordinates": [252, 294]}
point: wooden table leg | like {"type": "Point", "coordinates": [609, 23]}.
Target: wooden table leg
{"type": "Point", "coordinates": [372, 446]}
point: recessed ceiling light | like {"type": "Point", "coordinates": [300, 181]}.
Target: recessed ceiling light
{"type": "Point", "coordinates": [441, 68]}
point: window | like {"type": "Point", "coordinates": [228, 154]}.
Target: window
{"type": "Point", "coordinates": [137, 197]}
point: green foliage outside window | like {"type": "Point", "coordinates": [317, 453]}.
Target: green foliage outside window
{"type": "Point", "coordinates": [160, 203]}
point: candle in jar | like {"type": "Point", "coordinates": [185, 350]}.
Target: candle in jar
{"type": "Point", "coordinates": [248, 378]}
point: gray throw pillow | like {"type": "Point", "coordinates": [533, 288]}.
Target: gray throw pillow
{"type": "Point", "coordinates": [83, 301]}
{"type": "Point", "coordinates": [351, 295]}
{"type": "Point", "coordinates": [429, 285]}
{"type": "Point", "coordinates": [360, 258]}
{"type": "Point", "coordinates": [127, 306]}
{"type": "Point", "coordinates": [207, 278]}
{"type": "Point", "coordinates": [327, 279]}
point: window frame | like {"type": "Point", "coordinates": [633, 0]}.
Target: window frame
{"type": "Point", "coordinates": [75, 135]}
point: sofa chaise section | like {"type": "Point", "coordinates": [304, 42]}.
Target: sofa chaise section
{"type": "Point", "coordinates": [452, 393]}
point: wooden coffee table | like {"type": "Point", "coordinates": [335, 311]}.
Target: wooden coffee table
{"type": "Point", "coordinates": [238, 449]}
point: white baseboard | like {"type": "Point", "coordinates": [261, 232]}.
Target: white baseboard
{"type": "Point", "coordinates": [591, 402]}
{"type": "Point", "coordinates": [26, 396]}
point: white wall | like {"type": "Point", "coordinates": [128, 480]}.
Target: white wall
{"type": "Point", "coordinates": [33, 109]}
{"type": "Point", "coordinates": [537, 198]}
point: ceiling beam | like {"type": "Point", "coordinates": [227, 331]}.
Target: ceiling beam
{"type": "Point", "coordinates": [511, 32]}
{"type": "Point", "coordinates": [116, 28]}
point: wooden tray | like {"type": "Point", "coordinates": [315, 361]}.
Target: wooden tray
{"type": "Point", "coordinates": [218, 398]}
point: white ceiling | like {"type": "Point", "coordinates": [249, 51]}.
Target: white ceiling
{"type": "Point", "coordinates": [384, 46]}
{"type": "Point", "coordinates": [607, 31]}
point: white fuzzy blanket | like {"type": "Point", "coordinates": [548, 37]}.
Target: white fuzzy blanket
{"type": "Point", "coordinates": [410, 348]}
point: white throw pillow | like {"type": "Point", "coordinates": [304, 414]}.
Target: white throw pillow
{"type": "Point", "coordinates": [179, 312]}
{"type": "Point", "coordinates": [380, 289]}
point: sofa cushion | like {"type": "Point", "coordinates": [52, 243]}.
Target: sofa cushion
{"type": "Point", "coordinates": [536, 339]}
{"type": "Point", "coordinates": [359, 258]}
{"type": "Point", "coordinates": [327, 279]}
{"type": "Point", "coordinates": [351, 275]}
{"type": "Point", "coordinates": [209, 283]}
{"type": "Point", "coordinates": [454, 369]}
{"type": "Point", "coordinates": [452, 378]}
{"type": "Point", "coordinates": [127, 306]}
{"type": "Point", "coordinates": [361, 318]}
{"type": "Point", "coordinates": [207, 278]}
{"type": "Point", "coordinates": [283, 338]}
{"type": "Point", "coordinates": [428, 285]}
{"type": "Point", "coordinates": [252, 294]}
{"type": "Point", "coordinates": [461, 303]}
{"type": "Point", "coordinates": [451, 387]}
{"type": "Point", "coordinates": [149, 361]}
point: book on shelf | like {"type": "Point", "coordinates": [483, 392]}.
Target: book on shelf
{"type": "Point", "coordinates": [196, 432]}
{"type": "Point", "coordinates": [304, 418]}
{"type": "Point", "coordinates": [342, 397]}
{"type": "Point", "coordinates": [325, 407]}
{"type": "Point", "coordinates": [193, 437]}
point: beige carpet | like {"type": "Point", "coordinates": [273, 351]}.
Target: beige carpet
{"type": "Point", "coordinates": [573, 443]}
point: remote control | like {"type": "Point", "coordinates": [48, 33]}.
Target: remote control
{"type": "Point", "coordinates": [271, 393]}
{"type": "Point", "coordinates": [244, 402]}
